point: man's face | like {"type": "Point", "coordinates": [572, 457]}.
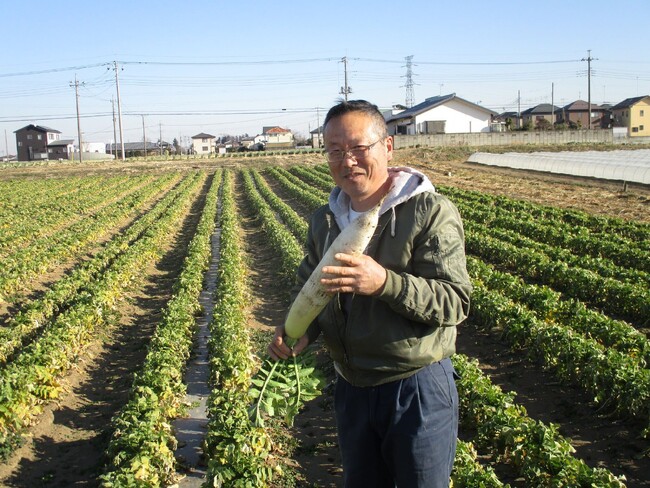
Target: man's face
{"type": "Point", "coordinates": [361, 178]}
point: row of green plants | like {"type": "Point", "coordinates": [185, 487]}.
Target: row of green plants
{"type": "Point", "coordinates": [621, 252]}
{"type": "Point", "coordinates": [321, 181]}
{"type": "Point", "coordinates": [308, 195]}
{"type": "Point", "coordinates": [537, 451]}
{"type": "Point", "coordinates": [239, 453]}
{"type": "Point", "coordinates": [292, 220]}
{"type": "Point", "coordinates": [549, 305]}
{"type": "Point", "coordinates": [612, 377]}
{"type": "Point", "coordinates": [38, 313]}
{"type": "Point", "coordinates": [141, 449]}
{"type": "Point", "coordinates": [43, 254]}
{"type": "Point", "coordinates": [624, 300]}
{"type": "Point", "coordinates": [570, 219]}
{"type": "Point", "coordinates": [36, 206]}
{"type": "Point", "coordinates": [39, 212]}
{"type": "Point", "coordinates": [289, 249]}
{"type": "Point", "coordinates": [34, 375]}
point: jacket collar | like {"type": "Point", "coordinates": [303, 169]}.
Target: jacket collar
{"type": "Point", "coordinates": [406, 183]}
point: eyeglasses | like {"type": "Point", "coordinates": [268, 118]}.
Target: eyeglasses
{"type": "Point", "coordinates": [357, 152]}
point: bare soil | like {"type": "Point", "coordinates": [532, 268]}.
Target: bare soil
{"type": "Point", "coordinates": [68, 442]}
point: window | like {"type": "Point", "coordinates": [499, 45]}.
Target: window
{"type": "Point", "coordinates": [640, 113]}
{"type": "Point", "coordinates": [29, 137]}
{"type": "Point", "coordinates": [640, 127]}
{"type": "Point", "coordinates": [20, 143]}
{"type": "Point", "coordinates": [204, 140]}
{"type": "Point", "coordinates": [635, 129]}
{"type": "Point", "coordinates": [205, 148]}
{"type": "Point", "coordinates": [50, 136]}
{"type": "Point", "coordinates": [40, 137]}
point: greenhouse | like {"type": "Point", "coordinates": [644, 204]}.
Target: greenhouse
{"type": "Point", "coordinates": [623, 165]}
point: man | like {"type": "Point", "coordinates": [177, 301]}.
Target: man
{"type": "Point", "coordinates": [391, 325]}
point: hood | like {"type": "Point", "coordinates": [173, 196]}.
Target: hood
{"type": "Point", "coordinates": [406, 183]}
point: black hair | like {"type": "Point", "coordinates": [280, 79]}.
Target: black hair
{"type": "Point", "coordinates": [362, 106]}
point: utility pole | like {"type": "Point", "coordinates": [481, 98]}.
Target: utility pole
{"type": "Point", "coordinates": [114, 148]}
{"type": "Point", "coordinates": [6, 146]}
{"type": "Point", "coordinates": [119, 108]}
{"type": "Point", "coordinates": [409, 82]}
{"type": "Point", "coordinates": [317, 125]}
{"type": "Point", "coordinates": [345, 90]}
{"type": "Point", "coordinates": [160, 137]}
{"type": "Point", "coordinates": [144, 138]}
{"type": "Point", "coordinates": [518, 109]}
{"type": "Point", "coordinates": [76, 92]}
{"type": "Point", "coordinates": [552, 106]}
{"type": "Point", "coordinates": [589, 59]}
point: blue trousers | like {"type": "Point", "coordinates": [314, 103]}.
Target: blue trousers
{"type": "Point", "coordinates": [401, 433]}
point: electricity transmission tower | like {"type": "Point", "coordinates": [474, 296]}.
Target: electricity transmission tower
{"type": "Point", "coordinates": [345, 90]}
{"type": "Point", "coordinates": [410, 96]}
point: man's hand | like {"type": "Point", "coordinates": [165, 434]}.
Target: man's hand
{"type": "Point", "coordinates": [278, 348]}
{"type": "Point", "coordinates": [358, 274]}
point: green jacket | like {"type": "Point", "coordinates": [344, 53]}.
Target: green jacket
{"type": "Point", "coordinates": [412, 322]}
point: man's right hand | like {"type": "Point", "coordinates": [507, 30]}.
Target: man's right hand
{"type": "Point", "coordinates": [279, 349]}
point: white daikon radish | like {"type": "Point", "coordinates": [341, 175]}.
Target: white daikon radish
{"type": "Point", "coordinates": [312, 297]}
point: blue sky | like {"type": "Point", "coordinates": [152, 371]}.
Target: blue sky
{"type": "Point", "coordinates": [234, 67]}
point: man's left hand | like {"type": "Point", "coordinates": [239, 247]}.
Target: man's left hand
{"type": "Point", "coordinates": [357, 274]}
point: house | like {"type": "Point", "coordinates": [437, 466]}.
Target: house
{"type": "Point", "coordinates": [540, 116]}
{"type": "Point", "coordinates": [136, 149]}
{"type": "Point", "coordinates": [510, 120]}
{"type": "Point", "coordinates": [317, 137]}
{"type": "Point", "coordinates": [61, 149]}
{"type": "Point", "coordinates": [446, 114]}
{"type": "Point", "coordinates": [575, 115]}
{"type": "Point", "coordinates": [203, 144]}
{"type": "Point", "coordinates": [633, 114]}
{"type": "Point", "coordinates": [275, 137]}
{"type": "Point", "coordinates": [32, 142]}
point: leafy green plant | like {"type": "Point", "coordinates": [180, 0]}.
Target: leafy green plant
{"type": "Point", "coordinates": [281, 388]}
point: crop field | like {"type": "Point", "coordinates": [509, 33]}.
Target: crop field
{"type": "Point", "coordinates": [99, 302]}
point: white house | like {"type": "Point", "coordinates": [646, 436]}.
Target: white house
{"type": "Point", "coordinates": [446, 114]}
{"type": "Point", "coordinates": [276, 138]}
{"type": "Point", "coordinates": [203, 143]}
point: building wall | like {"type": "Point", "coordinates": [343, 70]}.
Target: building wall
{"type": "Point", "coordinates": [504, 138]}
{"type": "Point", "coordinates": [640, 119]}
{"type": "Point", "coordinates": [636, 118]}
{"type": "Point", "coordinates": [203, 146]}
{"type": "Point", "coordinates": [457, 117]}
{"type": "Point", "coordinates": [31, 145]}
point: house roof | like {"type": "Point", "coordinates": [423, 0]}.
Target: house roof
{"type": "Point", "coordinates": [430, 103]}
{"type": "Point", "coordinates": [542, 108]}
{"type": "Point", "coordinates": [39, 128]}
{"type": "Point", "coordinates": [133, 146]}
{"type": "Point", "coordinates": [203, 135]}
{"type": "Point", "coordinates": [581, 106]}
{"type": "Point", "coordinates": [61, 142]}
{"type": "Point", "coordinates": [275, 130]}
{"type": "Point", "coordinates": [628, 102]}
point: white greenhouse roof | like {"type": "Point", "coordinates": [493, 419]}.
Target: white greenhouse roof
{"type": "Point", "coordinates": [623, 165]}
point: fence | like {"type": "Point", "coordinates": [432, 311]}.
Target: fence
{"type": "Point", "coordinates": [506, 138]}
